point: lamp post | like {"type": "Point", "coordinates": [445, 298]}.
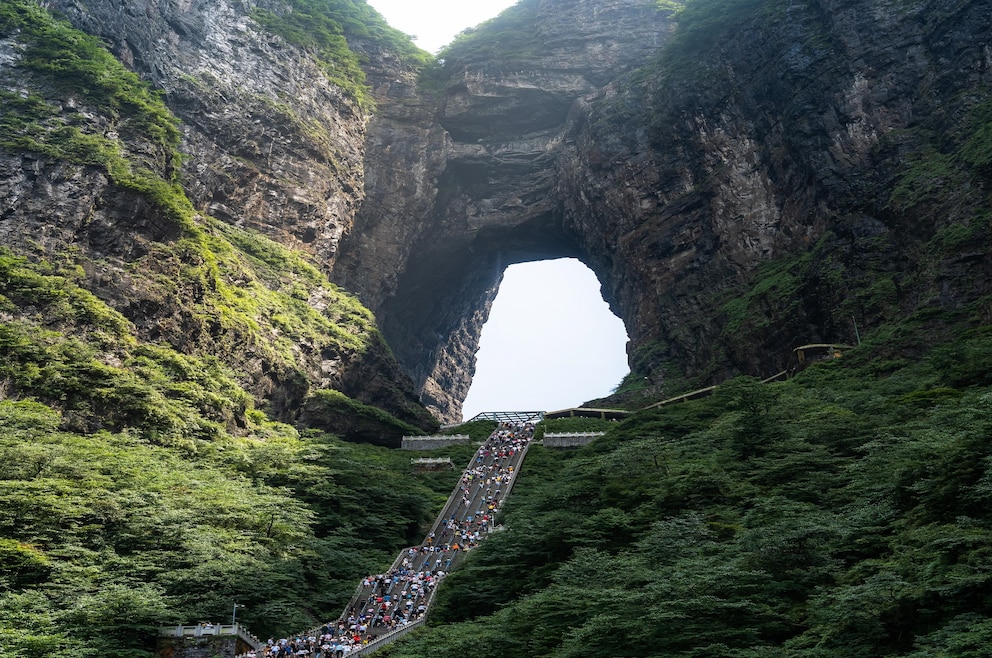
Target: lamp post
{"type": "Point", "coordinates": [234, 613]}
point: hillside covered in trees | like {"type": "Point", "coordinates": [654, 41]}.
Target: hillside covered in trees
{"type": "Point", "coordinates": [845, 512]}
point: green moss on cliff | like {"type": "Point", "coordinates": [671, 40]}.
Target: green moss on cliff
{"type": "Point", "coordinates": [947, 164]}
{"type": "Point", "coordinates": [260, 293]}
{"type": "Point", "coordinates": [326, 409]}
{"type": "Point", "coordinates": [976, 150]}
{"type": "Point", "coordinates": [775, 293]}
{"type": "Point", "coordinates": [79, 67]}
{"type": "Point", "coordinates": [83, 107]}
{"type": "Point", "coordinates": [323, 27]}
{"type": "Point", "coordinates": [71, 350]}
{"type": "Point", "coordinates": [217, 291]}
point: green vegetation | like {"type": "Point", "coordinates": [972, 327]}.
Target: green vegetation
{"type": "Point", "coordinates": [774, 294]}
{"type": "Point", "coordinates": [323, 27]}
{"type": "Point", "coordinates": [140, 485]}
{"type": "Point", "coordinates": [70, 64]}
{"type": "Point", "coordinates": [652, 373]}
{"type": "Point", "coordinates": [148, 489]}
{"type": "Point", "coordinates": [930, 173]}
{"type": "Point", "coordinates": [935, 173]}
{"type": "Point", "coordinates": [79, 66]}
{"type": "Point", "coordinates": [673, 6]}
{"type": "Point", "coordinates": [106, 537]}
{"type": "Point", "coordinates": [844, 512]}
{"type": "Point", "coordinates": [330, 408]}
{"type": "Point", "coordinates": [256, 291]}
{"type": "Point", "coordinates": [506, 37]}
{"type": "Point", "coordinates": [977, 147]}
{"type": "Point", "coordinates": [69, 348]}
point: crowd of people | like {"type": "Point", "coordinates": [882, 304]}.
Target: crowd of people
{"type": "Point", "coordinates": [389, 601]}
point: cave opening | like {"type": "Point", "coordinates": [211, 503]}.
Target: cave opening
{"type": "Point", "coordinates": [550, 342]}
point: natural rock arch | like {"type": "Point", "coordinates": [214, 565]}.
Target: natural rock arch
{"type": "Point", "coordinates": [434, 314]}
{"type": "Point", "coordinates": [462, 183]}
{"type": "Point", "coordinates": [673, 186]}
{"type": "Point", "coordinates": [435, 320]}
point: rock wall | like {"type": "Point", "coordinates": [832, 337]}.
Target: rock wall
{"type": "Point", "coordinates": [791, 137]}
{"type": "Point", "coordinates": [568, 129]}
{"type": "Point", "coordinates": [269, 144]}
{"type": "Point", "coordinates": [674, 154]}
{"type": "Point", "coordinates": [481, 190]}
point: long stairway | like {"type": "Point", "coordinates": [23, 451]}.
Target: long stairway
{"type": "Point", "coordinates": [389, 605]}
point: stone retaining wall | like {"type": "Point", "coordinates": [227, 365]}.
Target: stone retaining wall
{"type": "Point", "coordinates": [433, 442]}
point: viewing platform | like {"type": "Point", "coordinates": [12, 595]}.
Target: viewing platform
{"type": "Point", "coordinates": [584, 412]}
{"type": "Point", "coordinates": [225, 640]}
{"type": "Point", "coordinates": [508, 416]}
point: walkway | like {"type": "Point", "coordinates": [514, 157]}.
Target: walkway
{"type": "Point", "coordinates": [387, 606]}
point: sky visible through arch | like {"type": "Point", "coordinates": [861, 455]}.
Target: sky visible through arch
{"type": "Point", "coordinates": [551, 341]}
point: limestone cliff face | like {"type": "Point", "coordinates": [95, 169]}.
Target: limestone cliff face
{"type": "Point", "coordinates": [790, 140]}
{"type": "Point", "coordinates": [740, 182]}
{"type": "Point", "coordinates": [780, 134]}
{"type": "Point", "coordinates": [481, 191]}
{"type": "Point", "coordinates": [269, 145]}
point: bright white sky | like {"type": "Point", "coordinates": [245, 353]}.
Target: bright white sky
{"type": "Point", "coordinates": [551, 341]}
{"type": "Point", "coordinates": [435, 23]}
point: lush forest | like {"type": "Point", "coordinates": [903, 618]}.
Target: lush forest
{"type": "Point", "coordinates": [844, 512]}
{"type": "Point", "coordinates": [106, 537]}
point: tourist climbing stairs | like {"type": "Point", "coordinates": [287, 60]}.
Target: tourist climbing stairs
{"type": "Point", "coordinates": [387, 606]}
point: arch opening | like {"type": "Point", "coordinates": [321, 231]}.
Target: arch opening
{"type": "Point", "coordinates": [550, 342]}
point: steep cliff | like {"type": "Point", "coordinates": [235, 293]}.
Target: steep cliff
{"type": "Point", "coordinates": [743, 178]}
{"type": "Point", "coordinates": [818, 157]}
{"type": "Point", "coordinates": [484, 190]}
{"type": "Point", "coordinates": [271, 145]}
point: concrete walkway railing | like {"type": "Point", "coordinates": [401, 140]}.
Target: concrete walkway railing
{"type": "Point", "coordinates": [211, 630]}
